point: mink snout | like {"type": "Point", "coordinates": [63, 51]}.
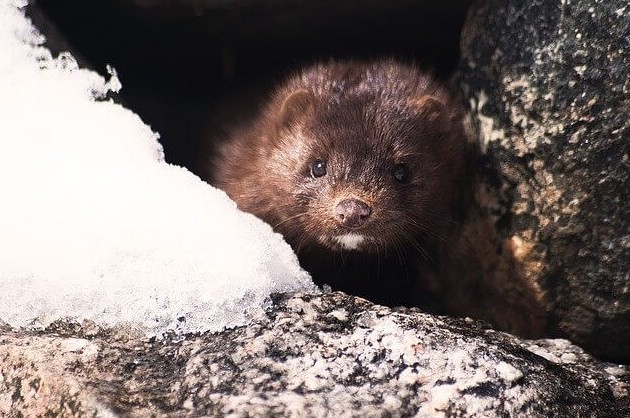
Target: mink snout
{"type": "Point", "coordinates": [352, 213]}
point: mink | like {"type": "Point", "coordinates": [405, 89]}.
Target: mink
{"type": "Point", "coordinates": [362, 167]}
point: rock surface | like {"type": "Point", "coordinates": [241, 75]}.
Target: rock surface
{"type": "Point", "coordinates": [548, 85]}
{"type": "Point", "coordinates": [327, 355]}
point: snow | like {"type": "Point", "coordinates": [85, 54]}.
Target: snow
{"type": "Point", "coordinates": [95, 225]}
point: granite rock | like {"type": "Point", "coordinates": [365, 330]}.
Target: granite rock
{"type": "Point", "coordinates": [548, 90]}
{"type": "Point", "coordinates": [309, 355]}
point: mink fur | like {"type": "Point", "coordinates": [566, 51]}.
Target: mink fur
{"type": "Point", "coordinates": [361, 167]}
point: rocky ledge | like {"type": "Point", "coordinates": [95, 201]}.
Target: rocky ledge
{"type": "Point", "coordinates": [309, 355]}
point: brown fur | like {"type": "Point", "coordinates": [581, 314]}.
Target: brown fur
{"type": "Point", "coordinates": [323, 159]}
{"type": "Point", "coordinates": [364, 120]}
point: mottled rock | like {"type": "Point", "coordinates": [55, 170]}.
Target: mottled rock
{"type": "Point", "coordinates": [548, 86]}
{"type": "Point", "coordinates": [328, 355]}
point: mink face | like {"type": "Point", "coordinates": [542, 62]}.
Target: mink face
{"type": "Point", "coordinates": [351, 157]}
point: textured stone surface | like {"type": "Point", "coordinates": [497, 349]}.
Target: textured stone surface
{"type": "Point", "coordinates": [329, 355]}
{"type": "Point", "coordinates": [548, 85]}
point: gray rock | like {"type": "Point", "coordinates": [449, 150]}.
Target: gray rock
{"type": "Point", "coordinates": [548, 85]}
{"type": "Point", "coordinates": [326, 355]}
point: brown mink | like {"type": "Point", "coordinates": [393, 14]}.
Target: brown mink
{"type": "Point", "coordinates": [360, 166]}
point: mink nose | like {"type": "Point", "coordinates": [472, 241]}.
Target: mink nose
{"type": "Point", "coordinates": [352, 213]}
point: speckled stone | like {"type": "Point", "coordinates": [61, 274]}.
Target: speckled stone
{"type": "Point", "coordinates": [327, 355]}
{"type": "Point", "coordinates": [548, 86]}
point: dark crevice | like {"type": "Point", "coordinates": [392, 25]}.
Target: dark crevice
{"type": "Point", "coordinates": [185, 62]}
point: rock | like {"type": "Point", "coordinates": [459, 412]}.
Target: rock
{"type": "Point", "coordinates": [325, 355]}
{"type": "Point", "coordinates": [548, 86]}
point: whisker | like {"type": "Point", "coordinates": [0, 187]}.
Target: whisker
{"type": "Point", "coordinates": [426, 229]}
{"type": "Point", "coordinates": [290, 218]}
{"type": "Point", "coordinates": [412, 242]}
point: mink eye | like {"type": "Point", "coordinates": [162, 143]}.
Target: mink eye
{"type": "Point", "coordinates": [318, 168]}
{"type": "Point", "coordinates": [401, 173]}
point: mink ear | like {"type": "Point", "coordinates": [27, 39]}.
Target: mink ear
{"type": "Point", "coordinates": [432, 109]}
{"type": "Point", "coordinates": [295, 106]}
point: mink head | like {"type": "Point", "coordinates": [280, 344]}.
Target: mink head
{"type": "Point", "coordinates": [357, 157]}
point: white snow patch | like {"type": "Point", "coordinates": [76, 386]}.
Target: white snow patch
{"type": "Point", "coordinates": [95, 225]}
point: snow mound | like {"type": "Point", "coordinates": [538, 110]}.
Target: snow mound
{"type": "Point", "coordinates": [94, 224]}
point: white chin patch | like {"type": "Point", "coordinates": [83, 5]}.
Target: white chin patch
{"type": "Point", "coordinates": [349, 241]}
